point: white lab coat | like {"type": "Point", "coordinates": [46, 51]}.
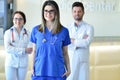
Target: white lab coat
{"type": "Point", "coordinates": [15, 51]}
{"type": "Point", "coordinates": [79, 51]}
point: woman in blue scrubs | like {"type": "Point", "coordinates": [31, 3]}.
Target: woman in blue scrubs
{"type": "Point", "coordinates": [50, 46]}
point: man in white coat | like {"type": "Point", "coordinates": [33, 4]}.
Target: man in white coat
{"type": "Point", "coordinates": [81, 34]}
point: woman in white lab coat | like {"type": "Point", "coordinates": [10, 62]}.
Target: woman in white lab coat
{"type": "Point", "coordinates": [81, 35]}
{"type": "Point", "coordinates": [17, 47]}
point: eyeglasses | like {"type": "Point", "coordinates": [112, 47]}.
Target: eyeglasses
{"type": "Point", "coordinates": [49, 11]}
{"type": "Point", "coordinates": [19, 19]}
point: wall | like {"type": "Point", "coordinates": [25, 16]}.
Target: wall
{"type": "Point", "coordinates": [32, 10]}
{"type": "Point", "coordinates": [104, 15]}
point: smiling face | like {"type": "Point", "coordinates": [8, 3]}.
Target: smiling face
{"type": "Point", "coordinates": [18, 20]}
{"type": "Point", "coordinates": [77, 13]}
{"type": "Point", "coordinates": [49, 13]}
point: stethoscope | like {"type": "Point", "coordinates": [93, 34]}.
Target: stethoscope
{"type": "Point", "coordinates": [25, 32]}
{"type": "Point", "coordinates": [51, 41]}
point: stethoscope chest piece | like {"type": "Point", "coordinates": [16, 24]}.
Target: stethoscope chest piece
{"type": "Point", "coordinates": [44, 40]}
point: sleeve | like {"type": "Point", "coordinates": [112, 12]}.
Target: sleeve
{"type": "Point", "coordinates": [84, 43]}
{"type": "Point", "coordinates": [67, 38]}
{"type": "Point", "coordinates": [9, 47]}
{"type": "Point", "coordinates": [32, 36]}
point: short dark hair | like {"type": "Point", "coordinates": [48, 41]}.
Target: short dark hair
{"type": "Point", "coordinates": [22, 14]}
{"type": "Point", "coordinates": [78, 4]}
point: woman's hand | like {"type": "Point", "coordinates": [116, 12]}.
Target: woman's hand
{"type": "Point", "coordinates": [72, 40]}
{"type": "Point", "coordinates": [28, 50]}
{"type": "Point", "coordinates": [66, 74]}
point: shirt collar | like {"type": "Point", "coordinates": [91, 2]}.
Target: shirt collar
{"type": "Point", "coordinates": [14, 29]}
{"type": "Point", "coordinates": [79, 24]}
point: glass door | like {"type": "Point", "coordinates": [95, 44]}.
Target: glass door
{"type": "Point", "coordinates": [1, 18]}
{"type": "Point", "coordinates": [6, 11]}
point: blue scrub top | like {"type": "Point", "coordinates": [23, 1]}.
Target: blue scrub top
{"type": "Point", "coordinates": [49, 59]}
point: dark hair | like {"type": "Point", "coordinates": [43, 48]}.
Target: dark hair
{"type": "Point", "coordinates": [78, 4]}
{"type": "Point", "coordinates": [57, 26]}
{"type": "Point", "coordinates": [22, 14]}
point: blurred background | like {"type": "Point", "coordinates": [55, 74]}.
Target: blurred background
{"type": "Point", "coordinates": [104, 15]}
